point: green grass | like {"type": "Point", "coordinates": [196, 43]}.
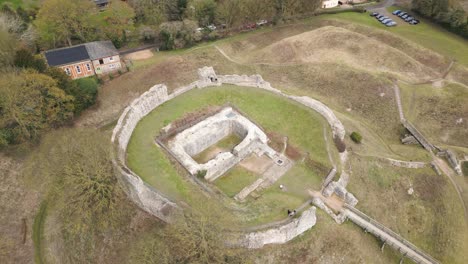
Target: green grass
{"type": "Point", "coordinates": [435, 111]}
{"type": "Point", "coordinates": [38, 231]}
{"type": "Point", "coordinates": [20, 3]}
{"type": "Point", "coordinates": [432, 217]}
{"type": "Point", "coordinates": [226, 144]}
{"type": "Point", "coordinates": [426, 34]}
{"type": "Point", "coordinates": [272, 112]}
{"type": "Point", "coordinates": [235, 180]}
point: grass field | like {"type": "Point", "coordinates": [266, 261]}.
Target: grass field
{"type": "Point", "coordinates": [270, 111]}
{"type": "Point", "coordinates": [235, 180]}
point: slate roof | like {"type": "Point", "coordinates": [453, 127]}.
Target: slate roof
{"type": "Point", "coordinates": [101, 49]}
{"type": "Point", "coordinates": [66, 55]}
{"type": "Point", "coordinates": [88, 51]}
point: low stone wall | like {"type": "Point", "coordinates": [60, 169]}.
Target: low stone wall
{"type": "Point", "coordinates": [407, 164]}
{"type": "Point", "coordinates": [282, 234]}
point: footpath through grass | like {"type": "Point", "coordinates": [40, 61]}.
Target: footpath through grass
{"type": "Point", "coordinates": [303, 126]}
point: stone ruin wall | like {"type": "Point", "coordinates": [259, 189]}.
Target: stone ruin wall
{"type": "Point", "coordinates": [200, 143]}
{"type": "Point", "coordinates": [283, 233]}
{"type": "Point", "coordinates": [139, 192]}
{"type": "Point", "coordinates": [155, 203]}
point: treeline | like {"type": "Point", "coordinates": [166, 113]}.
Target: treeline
{"type": "Point", "coordinates": [447, 13]}
{"type": "Point", "coordinates": [34, 97]}
{"type": "Point", "coordinates": [59, 23]}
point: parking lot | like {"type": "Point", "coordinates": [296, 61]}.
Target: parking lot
{"type": "Point", "coordinates": [398, 17]}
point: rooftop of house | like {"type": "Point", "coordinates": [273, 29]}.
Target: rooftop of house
{"type": "Point", "coordinates": [88, 51]}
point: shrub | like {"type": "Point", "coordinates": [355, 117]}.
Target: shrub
{"type": "Point", "coordinates": [356, 137]}
{"type": "Point", "coordinates": [201, 174]}
{"type": "Point", "coordinates": [465, 168]}
{"type": "Point", "coordinates": [25, 59]}
{"type": "Point", "coordinates": [85, 95]}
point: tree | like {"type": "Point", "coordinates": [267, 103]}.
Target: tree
{"type": "Point", "coordinates": [60, 21]}
{"type": "Point", "coordinates": [150, 12]}
{"type": "Point", "coordinates": [88, 201]}
{"type": "Point", "coordinates": [114, 21]}
{"type": "Point", "coordinates": [31, 102]}
{"type": "Point", "coordinates": [229, 11]}
{"type": "Point", "coordinates": [83, 90]}
{"type": "Point", "coordinates": [204, 11]}
{"type": "Point", "coordinates": [197, 236]}
{"type": "Point", "coordinates": [25, 59]}
{"type": "Point", "coordinates": [179, 34]}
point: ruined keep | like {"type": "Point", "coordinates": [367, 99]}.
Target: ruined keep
{"type": "Point", "coordinates": [154, 202]}
{"type": "Point", "coordinates": [197, 138]}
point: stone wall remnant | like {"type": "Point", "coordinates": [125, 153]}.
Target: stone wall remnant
{"type": "Point", "coordinates": [284, 233]}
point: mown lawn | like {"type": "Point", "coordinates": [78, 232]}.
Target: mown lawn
{"type": "Point", "coordinates": [303, 126]}
{"type": "Point", "coordinates": [235, 180]}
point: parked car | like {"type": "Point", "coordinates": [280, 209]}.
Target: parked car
{"type": "Point", "coordinates": [402, 14]}
{"type": "Point", "coordinates": [385, 21]}
{"type": "Point", "coordinates": [414, 22]}
{"type": "Point", "coordinates": [408, 19]}
{"type": "Point", "coordinates": [396, 12]}
{"type": "Point", "coordinates": [391, 24]}
{"type": "Point", "coordinates": [379, 16]}
{"type": "Point", "coordinates": [262, 22]}
{"type": "Point", "coordinates": [405, 16]}
{"type": "Point", "coordinates": [382, 18]}
{"type": "Point", "coordinates": [374, 14]}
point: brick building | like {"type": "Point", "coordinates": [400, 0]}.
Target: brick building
{"type": "Point", "coordinates": [84, 60]}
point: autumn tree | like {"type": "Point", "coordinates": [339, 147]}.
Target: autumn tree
{"type": "Point", "coordinates": [114, 21]}
{"type": "Point", "coordinates": [150, 12]}
{"type": "Point", "coordinates": [229, 11]}
{"type": "Point", "coordinates": [203, 11]}
{"type": "Point", "coordinates": [87, 198]}
{"type": "Point", "coordinates": [60, 21]}
{"type": "Point", "coordinates": [31, 102]}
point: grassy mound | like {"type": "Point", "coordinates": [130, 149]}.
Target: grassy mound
{"type": "Point", "coordinates": [334, 44]}
{"type": "Point", "coordinates": [271, 112]}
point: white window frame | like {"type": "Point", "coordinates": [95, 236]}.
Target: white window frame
{"type": "Point", "coordinates": [112, 66]}
{"type": "Point", "coordinates": [78, 68]}
{"type": "Point", "coordinates": [88, 67]}
{"type": "Point", "coordinates": [68, 71]}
